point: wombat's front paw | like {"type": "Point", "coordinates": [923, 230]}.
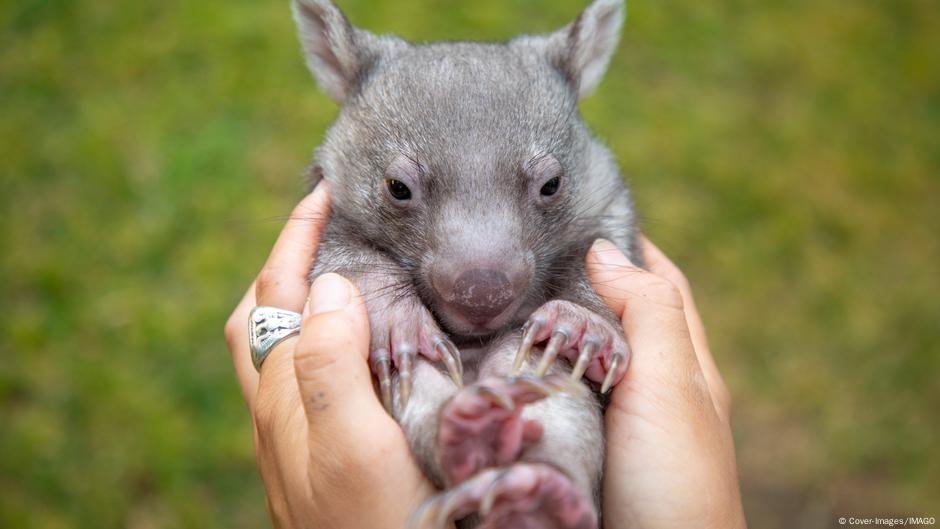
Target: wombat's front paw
{"type": "Point", "coordinates": [482, 426]}
{"type": "Point", "coordinates": [399, 333]}
{"type": "Point", "coordinates": [524, 495]}
{"type": "Point", "coordinates": [595, 346]}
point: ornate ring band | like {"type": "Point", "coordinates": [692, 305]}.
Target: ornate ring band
{"type": "Point", "coordinates": [267, 327]}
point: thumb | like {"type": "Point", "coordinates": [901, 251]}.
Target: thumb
{"type": "Point", "coordinates": [330, 359]}
{"type": "Point", "coordinates": [651, 312]}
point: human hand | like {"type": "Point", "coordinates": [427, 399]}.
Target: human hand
{"type": "Point", "coordinates": [328, 453]}
{"type": "Point", "coordinates": [670, 455]}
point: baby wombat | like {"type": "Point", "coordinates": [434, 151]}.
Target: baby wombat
{"type": "Point", "coordinates": [466, 192]}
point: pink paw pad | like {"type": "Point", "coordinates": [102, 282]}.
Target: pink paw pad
{"type": "Point", "coordinates": [482, 426]}
{"type": "Point", "coordinates": [522, 496]}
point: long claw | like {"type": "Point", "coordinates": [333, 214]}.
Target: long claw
{"type": "Point", "coordinates": [445, 510]}
{"type": "Point", "coordinates": [451, 357]}
{"type": "Point", "coordinates": [500, 399]}
{"type": "Point", "coordinates": [439, 508]}
{"type": "Point", "coordinates": [532, 329]}
{"type": "Point", "coordinates": [612, 371]}
{"type": "Point", "coordinates": [551, 385]}
{"type": "Point", "coordinates": [537, 385]}
{"type": "Point", "coordinates": [454, 503]}
{"type": "Point", "coordinates": [489, 498]}
{"type": "Point", "coordinates": [557, 340]}
{"type": "Point", "coordinates": [404, 376]}
{"type": "Point", "coordinates": [584, 358]}
{"type": "Point", "coordinates": [381, 365]}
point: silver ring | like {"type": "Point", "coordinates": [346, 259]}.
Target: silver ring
{"type": "Point", "coordinates": [267, 327]}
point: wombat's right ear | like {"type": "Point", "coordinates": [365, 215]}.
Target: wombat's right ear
{"type": "Point", "coordinates": [336, 53]}
{"type": "Point", "coordinates": [582, 49]}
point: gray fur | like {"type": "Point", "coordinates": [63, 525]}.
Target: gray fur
{"type": "Point", "coordinates": [471, 116]}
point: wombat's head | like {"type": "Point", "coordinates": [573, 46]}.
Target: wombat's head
{"type": "Point", "coordinates": [466, 163]}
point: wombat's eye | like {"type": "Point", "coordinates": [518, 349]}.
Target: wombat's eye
{"type": "Point", "coordinates": [543, 174]}
{"type": "Point", "coordinates": [397, 189]}
{"type": "Point", "coordinates": [550, 187]}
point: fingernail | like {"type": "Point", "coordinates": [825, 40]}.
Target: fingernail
{"type": "Point", "coordinates": [607, 254]}
{"type": "Point", "coordinates": [328, 292]}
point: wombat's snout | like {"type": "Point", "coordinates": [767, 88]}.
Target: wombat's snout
{"type": "Point", "coordinates": [482, 293]}
{"type": "Point", "coordinates": [479, 296]}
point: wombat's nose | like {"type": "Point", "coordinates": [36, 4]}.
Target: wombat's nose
{"type": "Point", "coordinates": [482, 293]}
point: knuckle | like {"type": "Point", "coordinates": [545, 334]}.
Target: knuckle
{"type": "Point", "coordinates": [662, 291]}
{"type": "Point", "coordinates": [233, 326]}
{"type": "Point", "coordinates": [678, 278]}
{"type": "Point", "coordinates": [264, 417]}
{"type": "Point", "coordinates": [274, 410]}
{"type": "Point", "coordinates": [268, 279]}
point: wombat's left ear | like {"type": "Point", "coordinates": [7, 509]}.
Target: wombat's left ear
{"type": "Point", "coordinates": [583, 48]}
{"type": "Point", "coordinates": [337, 53]}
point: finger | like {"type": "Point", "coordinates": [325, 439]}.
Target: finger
{"type": "Point", "coordinates": [651, 311]}
{"type": "Point", "coordinates": [236, 328]}
{"type": "Point", "coordinates": [662, 266]}
{"type": "Point", "coordinates": [283, 281]}
{"type": "Point", "coordinates": [236, 335]}
{"type": "Point", "coordinates": [330, 363]}
{"type": "Point", "coordinates": [619, 282]}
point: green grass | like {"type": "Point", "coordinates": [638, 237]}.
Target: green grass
{"type": "Point", "coordinates": [786, 154]}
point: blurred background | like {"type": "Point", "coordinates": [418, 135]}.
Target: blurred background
{"type": "Point", "coordinates": [785, 154]}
